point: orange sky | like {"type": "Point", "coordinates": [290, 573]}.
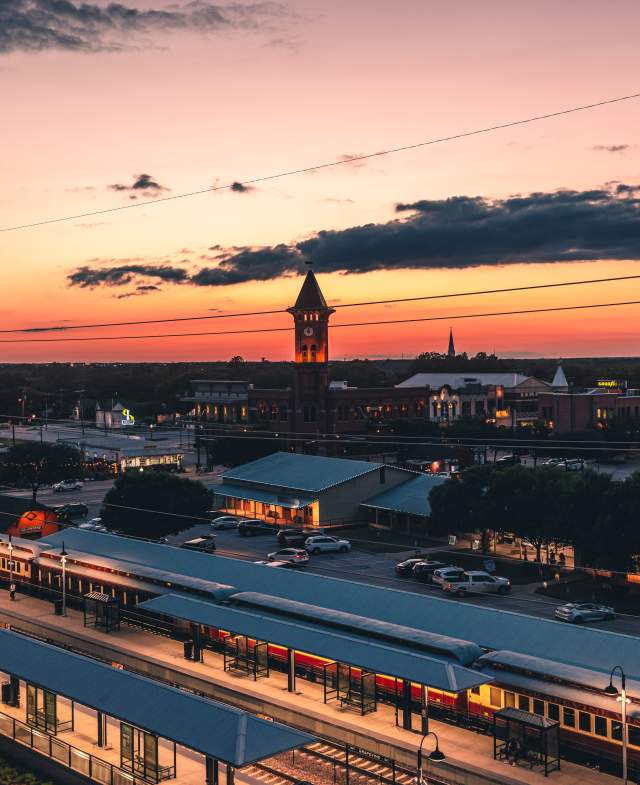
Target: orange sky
{"type": "Point", "coordinates": [324, 80]}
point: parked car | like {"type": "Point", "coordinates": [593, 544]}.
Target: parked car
{"type": "Point", "coordinates": [266, 563]}
{"type": "Point", "coordinates": [292, 555]}
{"type": "Point", "coordinates": [324, 544]}
{"type": "Point", "coordinates": [74, 510]}
{"type": "Point", "coordinates": [406, 567]}
{"type": "Point", "coordinates": [202, 544]}
{"type": "Point", "coordinates": [446, 575]}
{"type": "Point", "coordinates": [508, 460]}
{"type": "Point", "coordinates": [423, 570]}
{"type": "Point", "coordinates": [252, 527]}
{"type": "Point", "coordinates": [67, 485]}
{"type": "Point", "coordinates": [224, 522]}
{"type": "Point", "coordinates": [576, 465]}
{"type": "Point", "coordinates": [94, 525]}
{"type": "Point", "coordinates": [579, 612]}
{"type": "Point", "coordinates": [297, 536]}
{"type": "Point", "coordinates": [475, 581]}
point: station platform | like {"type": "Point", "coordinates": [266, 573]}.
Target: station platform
{"type": "Point", "coordinates": [469, 756]}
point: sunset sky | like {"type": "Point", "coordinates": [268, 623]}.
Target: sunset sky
{"type": "Point", "coordinates": [103, 108]}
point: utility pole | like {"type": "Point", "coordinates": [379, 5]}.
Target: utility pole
{"type": "Point", "coordinates": [46, 411]}
{"type": "Point", "coordinates": [23, 401]}
{"type": "Point", "coordinates": [198, 466]}
{"type": "Point", "coordinates": [81, 403]}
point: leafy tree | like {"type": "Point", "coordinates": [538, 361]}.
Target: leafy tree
{"type": "Point", "coordinates": [32, 464]}
{"type": "Point", "coordinates": [460, 505]}
{"type": "Point", "coordinates": [136, 499]}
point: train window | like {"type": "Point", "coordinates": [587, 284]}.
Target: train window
{"type": "Point", "coordinates": [509, 700]}
{"type": "Point", "coordinates": [553, 711]}
{"type": "Point", "coordinates": [634, 735]}
{"type": "Point", "coordinates": [600, 726]}
{"type": "Point", "coordinates": [538, 707]}
{"type": "Point", "coordinates": [616, 730]}
{"type": "Point", "coordinates": [475, 690]}
{"type": "Point", "coordinates": [584, 721]}
{"type": "Point", "coordinates": [569, 718]}
{"type": "Point", "coordinates": [523, 702]}
{"type": "Point", "coordinates": [495, 698]}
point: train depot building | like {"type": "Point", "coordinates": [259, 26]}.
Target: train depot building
{"type": "Point", "coordinates": [315, 491]}
{"type": "Point", "coordinates": [319, 654]}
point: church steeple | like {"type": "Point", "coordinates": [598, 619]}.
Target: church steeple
{"type": "Point", "coordinates": [451, 351]}
{"type": "Point", "coordinates": [310, 296]}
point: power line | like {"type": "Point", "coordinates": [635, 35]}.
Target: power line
{"type": "Point", "coordinates": [426, 443]}
{"type": "Point", "coordinates": [330, 164]}
{"type": "Point", "coordinates": [530, 287]}
{"type": "Point", "coordinates": [333, 327]}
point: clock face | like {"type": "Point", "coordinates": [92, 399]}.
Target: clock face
{"type": "Point", "coordinates": [308, 331]}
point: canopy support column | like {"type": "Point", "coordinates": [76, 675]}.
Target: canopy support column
{"type": "Point", "coordinates": [406, 704]}
{"type": "Point", "coordinates": [424, 708]}
{"type": "Point", "coordinates": [212, 771]}
{"type": "Point", "coordinates": [291, 670]}
{"type": "Point", "coordinates": [14, 681]}
{"type": "Point", "coordinates": [231, 775]}
{"type": "Point", "coordinates": [197, 643]}
{"type": "Point", "coordinates": [102, 730]}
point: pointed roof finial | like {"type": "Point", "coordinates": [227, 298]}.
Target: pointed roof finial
{"type": "Point", "coordinates": [451, 352]}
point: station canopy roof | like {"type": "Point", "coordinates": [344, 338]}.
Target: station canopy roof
{"type": "Point", "coordinates": [210, 728]}
{"type": "Point", "coordinates": [388, 660]}
{"type": "Point", "coordinates": [491, 628]}
{"type": "Point", "coordinates": [262, 495]}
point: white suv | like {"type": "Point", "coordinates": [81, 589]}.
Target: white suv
{"type": "Point", "coordinates": [447, 575]}
{"type": "Point", "coordinates": [472, 582]}
{"type": "Point", "coordinates": [322, 544]}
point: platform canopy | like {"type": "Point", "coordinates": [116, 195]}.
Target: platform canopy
{"type": "Point", "coordinates": [361, 651]}
{"type": "Point", "coordinates": [213, 729]}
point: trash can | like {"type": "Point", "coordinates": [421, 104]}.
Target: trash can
{"type": "Point", "coordinates": [6, 692]}
{"type": "Point", "coordinates": [57, 607]}
{"type": "Point", "coordinates": [188, 650]}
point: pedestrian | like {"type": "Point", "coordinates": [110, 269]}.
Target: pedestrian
{"type": "Point", "coordinates": [12, 591]}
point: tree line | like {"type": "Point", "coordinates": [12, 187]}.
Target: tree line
{"type": "Point", "coordinates": [547, 507]}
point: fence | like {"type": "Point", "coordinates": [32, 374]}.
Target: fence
{"type": "Point", "coordinates": [59, 751]}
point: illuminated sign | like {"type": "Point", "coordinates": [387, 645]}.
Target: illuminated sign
{"type": "Point", "coordinates": [612, 384]}
{"type": "Point", "coordinates": [503, 413]}
{"type": "Point", "coordinates": [128, 418]}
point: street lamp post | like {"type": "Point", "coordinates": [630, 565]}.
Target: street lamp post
{"type": "Point", "coordinates": [63, 559]}
{"type": "Point", "coordinates": [436, 756]}
{"type": "Point", "coordinates": [621, 696]}
{"type": "Point", "coordinates": [10, 546]}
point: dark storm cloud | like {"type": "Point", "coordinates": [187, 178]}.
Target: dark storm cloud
{"type": "Point", "coordinates": [259, 264]}
{"type": "Point", "coordinates": [36, 25]}
{"type": "Point", "coordinates": [89, 277]}
{"type": "Point", "coordinates": [455, 233]}
{"type": "Point", "coordinates": [143, 184]}
{"type": "Point", "coordinates": [611, 148]}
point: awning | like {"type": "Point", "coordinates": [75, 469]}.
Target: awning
{"type": "Point", "coordinates": [367, 653]}
{"type": "Point", "coordinates": [260, 495]}
{"type": "Point", "coordinates": [214, 729]}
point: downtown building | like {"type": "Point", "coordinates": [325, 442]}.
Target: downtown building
{"type": "Point", "coordinates": [315, 405]}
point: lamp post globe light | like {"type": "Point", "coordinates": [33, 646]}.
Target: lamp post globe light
{"type": "Point", "coordinates": [63, 559]}
{"type": "Point", "coordinates": [612, 691]}
{"type": "Point", "coordinates": [435, 756]}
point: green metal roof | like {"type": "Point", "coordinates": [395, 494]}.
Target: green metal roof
{"type": "Point", "coordinates": [220, 731]}
{"type": "Point", "coordinates": [411, 497]}
{"type": "Point", "coordinates": [311, 473]}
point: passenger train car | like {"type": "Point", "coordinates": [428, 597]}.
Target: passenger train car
{"type": "Point", "coordinates": [590, 727]}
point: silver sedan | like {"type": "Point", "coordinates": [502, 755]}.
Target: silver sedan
{"type": "Point", "coordinates": [578, 613]}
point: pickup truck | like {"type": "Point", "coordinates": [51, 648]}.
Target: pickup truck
{"type": "Point", "coordinates": [476, 582]}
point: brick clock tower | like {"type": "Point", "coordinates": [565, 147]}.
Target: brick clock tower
{"type": "Point", "coordinates": [311, 392]}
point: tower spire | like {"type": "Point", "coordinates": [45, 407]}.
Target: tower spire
{"type": "Point", "coordinates": [451, 351]}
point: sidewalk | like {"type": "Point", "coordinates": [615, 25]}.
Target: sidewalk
{"type": "Point", "coordinates": [469, 755]}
